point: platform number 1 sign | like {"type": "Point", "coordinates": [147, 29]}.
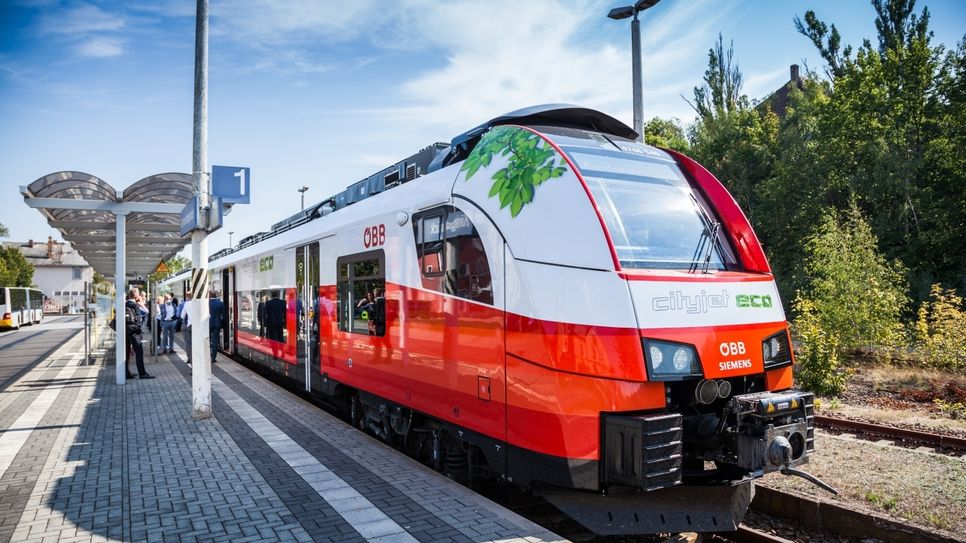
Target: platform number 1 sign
{"type": "Point", "coordinates": [231, 183]}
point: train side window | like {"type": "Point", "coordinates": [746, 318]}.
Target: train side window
{"type": "Point", "coordinates": [451, 255]}
{"type": "Point", "coordinates": [361, 291]}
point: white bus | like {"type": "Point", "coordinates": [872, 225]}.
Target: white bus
{"type": "Point", "coordinates": [20, 306]}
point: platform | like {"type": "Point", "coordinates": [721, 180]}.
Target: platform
{"type": "Point", "coordinates": [84, 459]}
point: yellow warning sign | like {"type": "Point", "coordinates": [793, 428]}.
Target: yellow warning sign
{"type": "Point", "coordinates": [162, 268]}
{"type": "Point", "coordinates": [771, 408]}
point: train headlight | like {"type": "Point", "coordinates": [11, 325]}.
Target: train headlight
{"type": "Point", "coordinates": [669, 361]}
{"type": "Point", "coordinates": [655, 356]}
{"type": "Point", "coordinates": [775, 350]}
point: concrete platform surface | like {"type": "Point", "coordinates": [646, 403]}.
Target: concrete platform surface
{"type": "Point", "coordinates": [83, 459]}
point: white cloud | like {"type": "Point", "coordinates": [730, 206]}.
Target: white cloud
{"type": "Point", "coordinates": [273, 22]}
{"type": "Point", "coordinates": [79, 20]}
{"type": "Point", "coordinates": [510, 54]}
{"type": "Point", "coordinates": [100, 48]}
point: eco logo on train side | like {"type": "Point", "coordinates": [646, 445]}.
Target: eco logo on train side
{"type": "Point", "coordinates": [532, 162]}
{"type": "Point", "coordinates": [266, 263]}
{"type": "Point", "coordinates": [753, 300]}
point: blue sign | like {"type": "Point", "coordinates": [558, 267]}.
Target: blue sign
{"type": "Point", "coordinates": [232, 184]}
{"type": "Point", "coordinates": [189, 216]}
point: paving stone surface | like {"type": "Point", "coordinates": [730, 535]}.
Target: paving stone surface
{"type": "Point", "coordinates": [83, 459]}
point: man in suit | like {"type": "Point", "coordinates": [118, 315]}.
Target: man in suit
{"type": "Point", "coordinates": [217, 317]}
{"type": "Point", "coordinates": [275, 321]}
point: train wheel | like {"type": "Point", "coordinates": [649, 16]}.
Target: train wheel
{"type": "Point", "coordinates": [355, 412]}
{"type": "Point", "coordinates": [436, 453]}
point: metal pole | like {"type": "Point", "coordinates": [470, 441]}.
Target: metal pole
{"type": "Point", "coordinates": [200, 356]}
{"type": "Point", "coordinates": [120, 336]}
{"type": "Point", "coordinates": [87, 328]}
{"type": "Point", "coordinates": [149, 302]}
{"type": "Point", "coordinates": [637, 77]}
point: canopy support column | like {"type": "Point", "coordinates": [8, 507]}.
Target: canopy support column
{"type": "Point", "coordinates": [120, 260]}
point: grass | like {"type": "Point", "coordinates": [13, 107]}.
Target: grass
{"type": "Point", "coordinates": [937, 520]}
{"type": "Point", "coordinates": [882, 501]}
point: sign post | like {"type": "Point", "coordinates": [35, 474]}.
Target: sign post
{"type": "Point", "coordinates": [198, 312]}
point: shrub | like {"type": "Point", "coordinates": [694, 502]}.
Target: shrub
{"type": "Point", "coordinates": [818, 351]}
{"type": "Point", "coordinates": [941, 330]}
{"type": "Point", "coordinates": [854, 290]}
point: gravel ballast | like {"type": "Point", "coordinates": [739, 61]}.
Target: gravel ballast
{"type": "Point", "coordinates": [923, 488]}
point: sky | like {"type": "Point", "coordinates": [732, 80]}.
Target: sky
{"type": "Point", "coordinates": [325, 92]}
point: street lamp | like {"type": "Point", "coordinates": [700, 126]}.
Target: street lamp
{"type": "Point", "coordinates": [622, 13]}
{"type": "Point", "coordinates": [229, 239]}
{"type": "Point", "coordinates": [302, 190]}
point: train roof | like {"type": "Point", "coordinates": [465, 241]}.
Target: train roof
{"type": "Point", "coordinates": [436, 156]}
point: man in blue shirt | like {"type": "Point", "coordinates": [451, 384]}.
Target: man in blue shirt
{"type": "Point", "coordinates": [217, 317]}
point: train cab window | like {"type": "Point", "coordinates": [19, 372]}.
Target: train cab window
{"type": "Point", "coordinates": [361, 287]}
{"type": "Point", "coordinates": [451, 255]}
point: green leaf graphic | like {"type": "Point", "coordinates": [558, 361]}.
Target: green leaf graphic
{"type": "Point", "coordinates": [532, 162]}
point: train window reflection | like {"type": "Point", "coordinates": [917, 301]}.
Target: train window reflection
{"type": "Point", "coordinates": [654, 225]}
{"type": "Point", "coordinates": [451, 255]}
{"type": "Point", "coordinates": [361, 294]}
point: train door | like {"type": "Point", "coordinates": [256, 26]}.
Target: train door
{"type": "Point", "coordinates": [228, 283]}
{"type": "Point", "coordinates": [307, 313]}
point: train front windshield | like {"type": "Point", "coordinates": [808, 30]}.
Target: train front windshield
{"type": "Point", "coordinates": [654, 217]}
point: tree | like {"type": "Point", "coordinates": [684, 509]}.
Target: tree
{"type": "Point", "coordinates": [827, 40]}
{"type": "Point", "coordinates": [730, 138]}
{"type": "Point", "coordinates": [854, 290]}
{"type": "Point", "coordinates": [898, 26]}
{"type": "Point", "coordinates": [3, 231]}
{"type": "Point", "coordinates": [721, 92]}
{"type": "Point", "coordinates": [893, 121]}
{"type": "Point", "coordinates": [666, 133]}
{"type": "Point", "coordinates": [15, 270]}
{"type": "Point", "coordinates": [800, 189]}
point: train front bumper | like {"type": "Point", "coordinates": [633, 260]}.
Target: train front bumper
{"type": "Point", "coordinates": [644, 459]}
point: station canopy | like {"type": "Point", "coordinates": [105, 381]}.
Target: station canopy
{"type": "Point", "coordinates": [151, 208]}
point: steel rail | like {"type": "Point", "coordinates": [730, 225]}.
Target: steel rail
{"type": "Point", "coordinates": [745, 534]}
{"type": "Point", "coordinates": [939, 440]}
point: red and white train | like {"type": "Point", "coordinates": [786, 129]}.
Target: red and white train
{"type": "Point", "coordinates": [544, 301]}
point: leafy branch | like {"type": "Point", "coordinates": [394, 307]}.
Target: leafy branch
{"type": "Point", "coordinates": [532, 162]}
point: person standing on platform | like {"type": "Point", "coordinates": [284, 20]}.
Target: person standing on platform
{"type": "Point", "coordinates": [169, 319]}
{"type": "Point", "coordinates": [156, 311]}
{"type": "Point", "coordinates": [186, 323]}
{"type": "Point", "coordinates": [217, 317]}
{"type": "Point", "coordinates": [133, 317]}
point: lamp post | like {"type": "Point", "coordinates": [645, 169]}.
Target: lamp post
{"type": "Point", "coordinates": [638, 86]}
{"type": "Point", "coordinates": [302, 190]}
{"type": "Point", "coordinates": [229, 239]}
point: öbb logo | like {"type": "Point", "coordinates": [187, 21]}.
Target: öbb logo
{"type": "Point", "coordinates": [732, 348]}
{"type": "Point", "coordinates": [374, 236]}
{"type": "Point", "coordinates": [753, 300]}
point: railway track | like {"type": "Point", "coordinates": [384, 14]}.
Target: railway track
{"type": "Point", "coordinates": [950, 443]}
{"type": "Point", "coordinates": [745, 534]}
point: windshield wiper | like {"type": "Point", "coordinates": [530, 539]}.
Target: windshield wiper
{"type": "Point", "coordinates": [709, 237]}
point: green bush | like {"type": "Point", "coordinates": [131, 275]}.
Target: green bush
{"type": "Point", "coordinates": [941, 330]}
{"type": "Point", "coordinates": [817, 367]}
{"type": "Point", "coordinates": [855, 292]}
